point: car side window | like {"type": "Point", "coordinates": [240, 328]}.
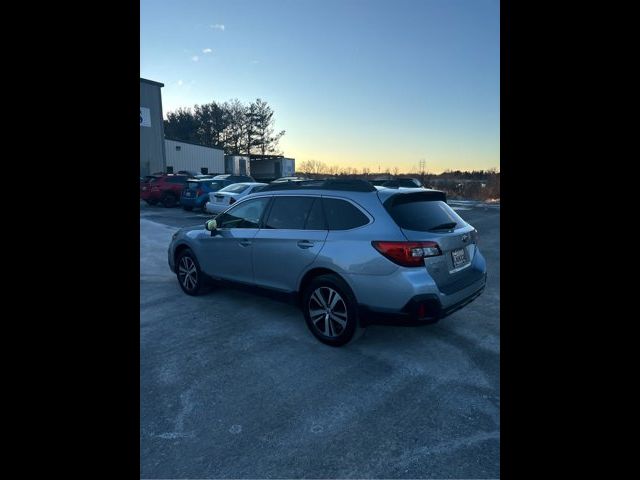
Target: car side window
{"type": "Point", "coordinates": [342, 215]}
{"type": "Point", "coordinates": [289, 213]}
{"type": "Point", "coordinates": [315, 220]}
{"type": "Point", "coordinates": [245, 215]}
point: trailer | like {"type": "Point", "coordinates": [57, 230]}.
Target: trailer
{"type": "Point", "coordinates": [266, 168]}
{"type": "Point", "coordinates": [237, 164]}
{"type": "Point", "coordinates": [186, 156]}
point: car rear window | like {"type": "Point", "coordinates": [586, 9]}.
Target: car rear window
{"type": "Point", "coordinates": [193, 185]}
{"type": "Point", "coordinates": [177, 179]}
{"type": "Point", "coordinates": [214, 185]}
{"type": "Point", "coordinates": [409, 183]}
{"type": "Point", "coordinates": [342, 215]}
{"type": "Point", "coordinates": [235, 188]}
{"type": "Point", "coordinates": [289, 213]}
{"type": "Point", "coordinates": [424, 215]}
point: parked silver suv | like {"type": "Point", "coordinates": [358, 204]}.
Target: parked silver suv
{"type": "Point", "coordinates": [350, 254]}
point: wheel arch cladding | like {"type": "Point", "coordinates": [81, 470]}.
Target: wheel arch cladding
{"type": "Point", "coordinates": [179, 249]}
{"type": "Point", "coordinates": [316, 272]}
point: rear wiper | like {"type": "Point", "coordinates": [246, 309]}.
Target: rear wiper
{"type": "Point", "coordinates": [444, 226]}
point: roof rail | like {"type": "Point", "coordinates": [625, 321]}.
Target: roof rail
{"type": "Point", "coordinates": [351, 185]}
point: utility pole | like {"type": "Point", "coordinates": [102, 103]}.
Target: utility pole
{"type": "Point", "coordinates": [421, 169]}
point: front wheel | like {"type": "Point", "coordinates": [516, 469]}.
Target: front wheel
{"type": "Point", "coordinates": [330, 310]}
{"type": "Point", "coordinates": [189, 273]}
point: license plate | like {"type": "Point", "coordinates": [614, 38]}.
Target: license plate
{"type": "Point", "coordinates": [189, 194]}
{"type": "Point", "coordinates": [459, 257]}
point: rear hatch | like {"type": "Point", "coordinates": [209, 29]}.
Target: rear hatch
{"type": "Point", "coordinates": [192, 190]}
{"type": "Point", "coordinates": [425, 217]}
{"type": "Point", "coordinates": [222, 199]}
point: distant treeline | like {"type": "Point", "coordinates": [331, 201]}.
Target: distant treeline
{"type": "Point", "coordinates": [236, 128]}
{"type": "Point", "coordinates": [472, 185]}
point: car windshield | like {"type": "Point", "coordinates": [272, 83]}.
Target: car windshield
{"type": "Point", "coordinates": [235, 188]}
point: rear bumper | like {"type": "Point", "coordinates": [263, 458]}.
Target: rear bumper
{"type": "Point", "coordinates": [196, 202]}
{"type": "Point", "coordinates": [422, 309]}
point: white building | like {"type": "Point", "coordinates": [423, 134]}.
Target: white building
{"type": "Point", "coordinates": [193, 157]}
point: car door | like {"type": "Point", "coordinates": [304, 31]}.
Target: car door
{"type": "Point", "coordinates": [226, 254]}
{"type": "Point", "coordinates": [291, 236]}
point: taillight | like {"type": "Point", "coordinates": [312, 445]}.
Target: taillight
{"type": "Point", "coordinates": [407, 254]}
{"type": "Point", "coordinates": [231, 200]}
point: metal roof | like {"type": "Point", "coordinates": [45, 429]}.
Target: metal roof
{"type": "Point", "coordinates": [151, 82]}
{"type": "Point", "coordinates": [192, 143]}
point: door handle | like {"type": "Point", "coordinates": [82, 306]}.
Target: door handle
{"type": "Point", "coordinates": [245, 243]}
{"type": "Point", "coordinates": [305, 244]}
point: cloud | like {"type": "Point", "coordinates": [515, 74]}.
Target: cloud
{"type": "Point", "coordinates": [207, 50]}
{"type": "Point", "coordinates": [180, 83]}
{"type": "Point", "coordinates": [195, 58]}
{"type": "Point", "coordinates": [218, 26]}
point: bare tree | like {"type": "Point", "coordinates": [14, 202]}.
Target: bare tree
{"type": "Point", "coordinates": [305, 167]}
{"type": "Point", "coordinates": [333, 170]}
{"type": "Point", "coordinates": [396, 171]}
{"type": "Point", "coordinates": [314, 167]}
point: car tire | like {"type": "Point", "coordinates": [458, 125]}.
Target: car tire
{"type": "Point", "coordinates": [188, 209]}
{"type": "Point", "coordinates": [169, 200]}
{"type": "Point", "coordinates": [189, 274]}
{"type": "Point", "coordinates": [332, 319]}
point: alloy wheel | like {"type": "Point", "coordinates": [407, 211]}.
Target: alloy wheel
{"type": "Point", "coordinates": [328, 311]}
{"type": "Point", "coordinates": [188, 273]}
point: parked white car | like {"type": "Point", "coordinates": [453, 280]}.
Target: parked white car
{"type": "Point", "coordinates": [221, 200]}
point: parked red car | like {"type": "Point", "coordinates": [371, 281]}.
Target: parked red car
{"type": "Point", "coordinates": [165, 189]}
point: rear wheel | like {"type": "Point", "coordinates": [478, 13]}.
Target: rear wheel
{"type": "Point", "coordinates": [169, 200]}
{"type": "Point", "coordinates": [188, 273]}
{"type": "Point", "coordinates": [330, 310]}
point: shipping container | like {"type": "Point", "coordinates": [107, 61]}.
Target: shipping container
{"type": "Point", "coordinates": [271, 168]}
{"type": "Point", "coordinates": [192, 157]}
{"type": "Point", "coordinates": [237, 165]}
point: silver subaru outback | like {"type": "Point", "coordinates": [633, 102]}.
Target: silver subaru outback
{"type": "Point", "coordinates": [348, 253]}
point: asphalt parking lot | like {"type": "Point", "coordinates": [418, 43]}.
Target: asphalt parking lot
{"type": "Point", "coordinates": [233, 385]}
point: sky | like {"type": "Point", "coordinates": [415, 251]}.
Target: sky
{"type": "Point", "coordinates": [359, 83]}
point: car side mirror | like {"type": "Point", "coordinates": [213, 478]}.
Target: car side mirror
{"type": "Point", "coordinates": [211, 225]}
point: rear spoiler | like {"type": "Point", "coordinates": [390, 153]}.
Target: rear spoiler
{"type": "Point", "coordinates": [427, 196]}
